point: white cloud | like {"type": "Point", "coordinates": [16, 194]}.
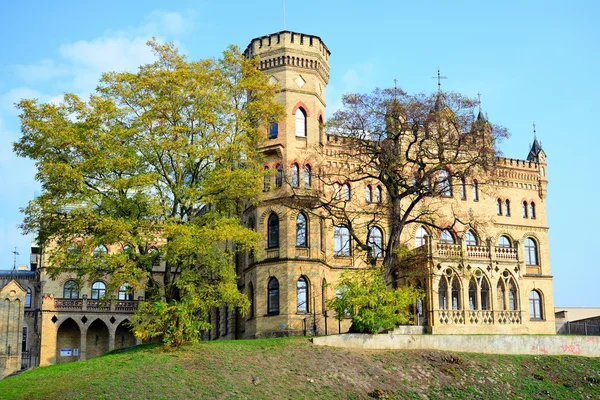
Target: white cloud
{"type": "Point", "coordinates": [169, 23]}
{"type": "Point", "coordinates": [358, 78]}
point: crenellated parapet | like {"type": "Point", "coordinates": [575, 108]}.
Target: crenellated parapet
{"type": "Point", "coordinates": [290, 49]}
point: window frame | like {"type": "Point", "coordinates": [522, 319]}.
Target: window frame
{"type": "Point", "coordinates": [73, 290]}
{"type": "Point", "coordinates": [376, 248]}
{"type": "Point", "coordinates": [475, 188]}
{"type": "Point", "coordinates": [301, 117]}
{"type": "Point", "coordinates": [531, 252]}
{"type": "Point", "coordinates": [99, 292]}
{"type": "Point", "coordinates": [341, 241]}
{"type": "Point", "coordinates": [301, 232]}
{"type": "Point", "coordinates": [302, 307]}
{"type": "Point", "coordinates": [273, 231]}
{"type": "Point", "coordinates": [536, 312]}
{"type": "Point", "coordinates": [273, 296]}
{"type": "Point", "coordinates": [445, 183]}
{"type": "Point", "coordinates": [273, 131]}
{"type": "Point", "coordinates": [307, 176]}
{"type": "Point", "coordinates": [295, 175]}
{"type": "Point", "coordinates": [444, 237]}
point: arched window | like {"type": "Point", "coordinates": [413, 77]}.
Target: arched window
{"type": "Point", "coordinates": [531, 253]}
{"type": "Point", "coordinates": [307, 176]}
{"type": "Point", "coordinates": [376, 241]}
{"type": "Point", "coordinates": [100, 250]}
{"type": "Point", "coordinates": [267, 179]}
{"type": "Point", "coordinates": [532, 210]}
{"type": "Point", "coordinates": [445, 185]}
{"type": "Point", "coordinates": [341, 241]}
{"type": "Point", "coordinates": [455, 294]}
{"type": "Point", "coordinates": [470, 238]}
{"type": "Point", "coordinates": [300, 122]}
{"type": "Point", "coordinates": [484, 294]}
{"type": "Point", "coordinates": [295, 175]}
{"type": "Point", "coordinates": [273, 231]}
{"type": "Point", "coordinates": [512, 296]}
{"type": "Point", "coordinates": [125, 292]}
{"type": "Point", "coordinates": [71, 290]}
{"type": "Point", "coordinates": [369, 193]}
{"type": "Point", "coordinates": [443, 293]}
{"type": "Point", "coordinates": [475, 191]}
{"type": "Point", "coordinates": [346, 190]}
{"type": "Point", "coordinates": [273, 130]}
{"type": "Point", "coordinates": [535, 305]}
{"type": "Point", "coordinates": [498, 206]}
{"type": "Point", "coordinates": [472, 294]}
{"type": "Point", "coordinates": [447, 237]}
{"type": "Point", "coordinates": [420, 237]}
{"type": "Point", "coordinates": [324, 296]}
{"type": "Point", "coordinates": [302, 295]}
{"type": "Point", "coordinates": [251, 299]}
{"type": "Point", "coordinates": [301, 230]}
{"type": "Point", "coordinates": [28, 298]}
{"type": "Point", "coordinates": [504, 242]}
{"type": "Point", "coordinates": [378, 194]}
{"type": "Point", "coordinates": [507, 208]}
{"type": "Point", "coordinates": [98, 290]}
{"type": "Point", "coordinates": [279, 176]}
{"type": "Point", "coordinates": [524, 209]}
{"type": "Point", "coordinates": [321, 128]}
{"type": "Point", "coordinates": [463, 189]}
{"type": "Point", "coordinates": [273, 296]}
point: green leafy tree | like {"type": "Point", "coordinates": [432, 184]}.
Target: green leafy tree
{"type": "Point", "coordinates": [159, 163]}
{"type": "Point", "coordinates": [364, 296]}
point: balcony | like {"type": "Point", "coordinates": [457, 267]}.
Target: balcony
{"type": "Point", "coordinates": [112, 305]}
{"type": "Point", "coordinates": [477, 317]}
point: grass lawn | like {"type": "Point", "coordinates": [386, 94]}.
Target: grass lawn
{"type": "Point", "coordinates": [292, 368]}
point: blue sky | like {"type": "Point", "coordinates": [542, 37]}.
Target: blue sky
{"type": "Point", "coordinates": [535, 60]}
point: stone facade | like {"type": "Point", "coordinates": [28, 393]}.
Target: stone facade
{"type": "Point", "coordinates": [496, 281]}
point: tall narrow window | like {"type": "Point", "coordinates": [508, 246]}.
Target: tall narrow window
{"type": "Point", "coordinates": [279, 176]}
{"type": "Point", "coordinates": [273, 130]}
{"type": "Point", "coordinates": [300, 122]}
{"type": "Point", "coordinates": [472, 294]}
{"type": "Point", "coordinates": [445, 185]}
{"type": "Point", "coordinates": [455, 294]}
{"type": "Point", "coordinates": [301, 236]}
{"type": "Point", "coordinates": [71, 290]}
{"type": "Point", "coordinates": [507, 207]}
{"type": "Point", "coordinates": [484, 295]}
{"type": "Point", "coordinates": [98, 290]}
{"type": "Point", "coordinates": [295, 175]}
{"type": "Point", "coordinates": [532, 210]}
{"type": "Point", "coordinates": [535, 305]}
{"type": "Point", "coordinates": [28, 298]}
{"type": "Point", "coordinates": [512, 296]}
{"type": "Point", "coordinates": [524, 209]}
{"type": "Point", "coordinates": [369, 194]}
{"type": "Point", "coordinates": [376, 241]}
{"type": "Point", "coordinates": [302, 295]}
{"type": "Point", "coordinates": [475, 191]}
{"type": "Point", "coordinates": [531, 252]}
{"type": "Point", "coordinates": [307, 176]}
{"type": "Point", "coordinates": [463, 189]}
{"type": "Point", "coordinates": [421, 237]}
{"type": "Point", "coordinates": [443, 293]}
{"type": "Point", "coordinates": [341, 241]}
{"type": "Point", "coordinates": [273, 296]}
{"type": "Point", "coordinates": [447, 237]}
{"type": "Point", "coordinates": [378, 194]}
{"type": "Point", "coordinates": [346, 190]}
{"type": "Point", "coordinates": [470, 238]}
{"type": "Point", "coordinates": [498, 206]}
{"type": "Point", "coordinates": [273, 231]}
{"type": "Point", "coordinates": [251, 299]}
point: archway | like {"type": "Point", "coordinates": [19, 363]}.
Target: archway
{"type": "Point", "coordinates": [97, 339]}
{"type": "Point", "coordinates": [124, 336]}
{"type": "Point", "coordinates": [68, 342]}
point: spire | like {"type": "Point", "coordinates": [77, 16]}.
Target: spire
{"type": "Point", "coordinates": [536, 147]}
{"type": "Point", "coordinates": [480, 116]}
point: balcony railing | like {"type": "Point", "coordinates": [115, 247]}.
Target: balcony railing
{"type": "Point", "coordinates": [128, 306]}
{"type": "Point", "coordinates": [448, 250]}
{"type": "Point", "coordinates": [477, 317]}
{"type": "Point", "coordinates": [478, 252]}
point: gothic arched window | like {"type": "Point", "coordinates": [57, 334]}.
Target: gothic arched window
{"type": "Point", "coordinates": [532, 210]}
{"type": "Point", "coordinates": [498, 206]}
{"type": "Point", "coordinates": [378, 194]}
{"type": "Point", "coordinates": [273, 296]}
{"type": "Point", "coordinates": [447, 237]}
{"type": "Point", "coordinates": [507, 207]}
{"type": "Point", "coordinates": [279, 176]}
{"type": "Point", "coordinates": [504, 241]}
{"type": "Point", "coordinates": [295, 175]}
{"type": "Point", "coordinates": [463, 189]}
{"type": "Point", "coordinates": [301, 230]}
{"type": "Point", "coordinates": [475, 191]}
{"type": "Point", "coordinates": [273, 231]}
{"type": "Point", "coordinates": [524, 209]}
{"type": "Point", "coordinates": [28, 298]}
{"type": "Point", "coordinates": [535, 305]}
{"type": "Point", "coordinates": [376, 241]}
{"type": "Point", "coordinates": [307, 176]}
{"type": "Point", "coordinates": [369, 194]}
{"type": "Point", "coordinates": [300, 122]}
{"type": "Point", "coordinates": [531, 252]}
{"type": "Point", "coordinates": [346, 191]}
{"type": "Point", "coordinates": [302, 295]}
{"type": "Point", "coordinates": [420, 236]}
{"type": "Point", "coordinates": [471, 239]}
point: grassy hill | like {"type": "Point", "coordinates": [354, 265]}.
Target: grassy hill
{"type": "Point", "coordinates": [292, 368]}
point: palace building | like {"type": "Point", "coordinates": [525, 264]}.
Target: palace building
{"type": "Point", "coordinates": [493, 280]}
